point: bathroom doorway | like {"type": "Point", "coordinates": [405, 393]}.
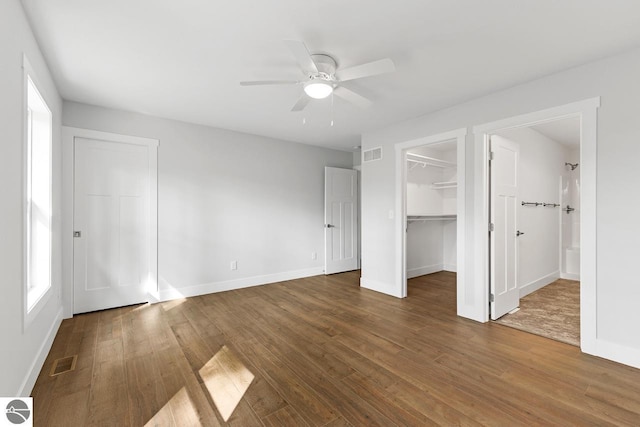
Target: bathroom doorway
{"type": "Point", "coordinates": [534, 203]}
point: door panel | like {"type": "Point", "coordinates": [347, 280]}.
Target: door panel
{"type": "Point", "coordinates": [341, 220]}
{"type": "Point", "coordinates": [112, 214]}
{"type": "Point", "coordinates": [504, 249]}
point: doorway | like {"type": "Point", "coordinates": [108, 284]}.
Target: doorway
{"type": "Point", "coordinates": [587, 112]}
{"type": "Point", "coordinates": [533, 201]}
{"type": "Point", "coordinates": [433, 169]}
{"type": "Point", "coordinates": [431, 208]}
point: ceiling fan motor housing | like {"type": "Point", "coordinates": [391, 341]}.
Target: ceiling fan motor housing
{"type": "Point", "coordinates": [326, 66]}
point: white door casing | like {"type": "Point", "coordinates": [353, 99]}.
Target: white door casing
{"type": "Point", "coordinates": [112, 196]}
{"type": "Point", "coordinates": [340, 220]}
{"type": "Point", "coordinates": [503, 217]}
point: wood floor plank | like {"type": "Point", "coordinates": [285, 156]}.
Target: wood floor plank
{"type": "Point", "coordinates": [147, 395]}
{"type": "Point", "coordinates": [292, 332]}
{"type": "Point", "coordinates": [289, 385]}
{"type": "Point", "coordinates": [323, 352]}
{"type": "Point", "coordinates": [263, 398]}
{"type": "Point", "coordinates": [187, 398]}
{"type": "Point", "coordinates": [68, 410]}
{"type": "Point", "coordinates": [342, 400]}
{"type": "Point", "coordinates": [368, 391]}
{"type": "Point", "coordinates": [284, 417]}
{"type": "Point", "coordinates": [109, 400]}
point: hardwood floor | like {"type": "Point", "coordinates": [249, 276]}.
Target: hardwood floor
{"type": "Point", "coordinates": [321, 351]}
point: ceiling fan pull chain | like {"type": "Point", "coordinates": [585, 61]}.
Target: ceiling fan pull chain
{"type": "Point", "coordinates": [332, 97]}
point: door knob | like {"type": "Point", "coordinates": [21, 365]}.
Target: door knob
{"type": "Point", "coordinates": [519, 233]}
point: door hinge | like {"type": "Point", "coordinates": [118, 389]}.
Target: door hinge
{"type": "Point", "coordinates": [491, 227]}
{"type": "Point", "coordinates": [492, 297]}
{"type": "Point", "coordinates": [491, 155]}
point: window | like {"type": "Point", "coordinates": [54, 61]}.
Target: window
{"type": "Point", "coordinates": [38, 177]}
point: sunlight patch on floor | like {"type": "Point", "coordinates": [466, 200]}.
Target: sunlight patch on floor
{"type": "Point", "coordinates": [179, 407]}
{"type": "Point", "coordinates": [226, 379]}
{"type": "Point", "coordinates": [169, 305]}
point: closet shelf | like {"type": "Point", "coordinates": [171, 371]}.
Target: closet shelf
{"type": "Point", "coordinates": [445, 184]}
{"type": "Point", "coordinates": [431, 217]}
{"type": "Point", "coordinates": [419, 159]}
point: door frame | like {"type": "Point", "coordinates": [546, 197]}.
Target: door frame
{"type": "Point", "coordinates": [69, 134]}
{"type": "Point", "coordinates": [587, 111]}
{"type": "Point", "coordinates": [459, 135]}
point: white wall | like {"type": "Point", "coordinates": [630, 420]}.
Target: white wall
{"type": "Point", "coordinates": [225, 196]}
{"type": "Point", "coordinates": [421, 198]}
{"type": "Point", "coordinates": [541, 166]}
{"type": "Point", "coordinates": [425, 253]}
{"type": "Point", "coordinates": [615, 81]}
{"type": "Point", "coordinates": [23, 351]}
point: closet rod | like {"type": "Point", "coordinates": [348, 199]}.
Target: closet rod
{"type": "Point", "coordinates": [431, 161]}
{"type": "Point", "coordinates": [417, 162]}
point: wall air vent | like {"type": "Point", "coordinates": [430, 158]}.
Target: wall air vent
{"type": "Point", "coordinates": [372, 155]}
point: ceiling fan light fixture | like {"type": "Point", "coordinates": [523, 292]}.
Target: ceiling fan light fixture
{"type": "Point", "coordinates": [318, 88]}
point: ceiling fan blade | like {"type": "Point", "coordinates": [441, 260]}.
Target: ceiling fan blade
{"type": "Point", "coordinates": [302, 55]}
{"type": "Point", "coordinates": [269, 82]}
{"type": "Point", "coordinates": [365, 70]}
{"type": "Point", "coordinates": [352, 97]}
{"type": "Point", "coordinates": [302, 102]}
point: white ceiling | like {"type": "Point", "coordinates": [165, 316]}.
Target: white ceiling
{"type": "Point", "coordinates": [565, 131]}
{"type": "Point", "coordinates": [183, 59]}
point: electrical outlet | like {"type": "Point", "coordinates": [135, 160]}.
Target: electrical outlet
{"type": "Point", "coordinates": [234, 265]}
{"type": "Point", "coordinates": [314, 255]}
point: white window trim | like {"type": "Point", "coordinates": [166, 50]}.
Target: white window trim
{"type": "Point", "coordinates": [30, 314]}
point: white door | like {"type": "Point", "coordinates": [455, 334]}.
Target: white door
{"type": "Point", "coordinates": [340, 220]}
{"type": "Point", "coordinates": [111, 250]}
{"type": "Point", "coordinates": [504, 249]}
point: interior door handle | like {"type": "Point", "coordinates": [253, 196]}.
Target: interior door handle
{"type": "Point", "coordinates": [329, 226]}
{"type": "Point", "coordinates": [519, 233]}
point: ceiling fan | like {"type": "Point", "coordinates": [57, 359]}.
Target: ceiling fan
{"type": "Point", "coordinates": [324, 77]}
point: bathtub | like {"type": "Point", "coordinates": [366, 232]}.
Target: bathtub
{"type": "Point", "coordinates": [571, 264]}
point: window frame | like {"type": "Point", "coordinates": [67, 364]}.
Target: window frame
{"type": "Point", "coordinates": [34, 298]}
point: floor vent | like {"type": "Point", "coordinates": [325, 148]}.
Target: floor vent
{"type": "Point", "coordinates": [65, 364]}
{"type": "Point", "coordinates": [371, 155]}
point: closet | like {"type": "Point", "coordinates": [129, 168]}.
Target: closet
{"type": "Point", "coordinates": [431, 209]}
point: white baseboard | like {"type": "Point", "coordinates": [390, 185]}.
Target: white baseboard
{"type": "Point", "coordinates": [570, 276]}
{"type": "Point", "coordinates": [615, 352]}
{"type": "Point", "coordinates": [41, 356]}
{"type": "Point", "coordinates": [384, 288]}
{"type": "Point", "coordinates": [421, 271]}
{"type": "Point", "coordinates": [539, 283]}
{"type": "Point", "coordinates": [229, 285]}
{"type": "Point", "coordinates": [450, 267]}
